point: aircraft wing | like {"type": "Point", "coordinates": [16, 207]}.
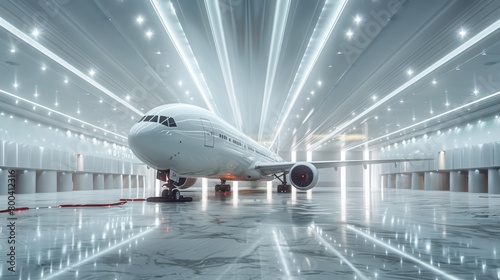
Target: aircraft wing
{"type": "Point", "coordinates": [269, 168]}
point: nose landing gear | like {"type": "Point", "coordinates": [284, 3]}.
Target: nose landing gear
{"type": "Point", "coordinates": [170, 194]}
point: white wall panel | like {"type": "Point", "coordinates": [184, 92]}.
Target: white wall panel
{"type": "Point", "coordinates": [496, 154]}
{"type": "Point", "coordinates": [486, 155]}
{"type": "Point", "coordinates": [458, 158]}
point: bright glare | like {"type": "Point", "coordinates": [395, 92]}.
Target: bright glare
{"type": "Point", "coordinates": [149, 34]}
{"type": "Point", "coordinates": [92, 72]}
{"type": "Point", "coordinates": [349, 33]}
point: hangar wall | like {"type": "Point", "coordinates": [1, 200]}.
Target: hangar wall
{"type": "Point", "coordinates": [466, 158]}
{"type": "Point", "coordinates": [48, 159]}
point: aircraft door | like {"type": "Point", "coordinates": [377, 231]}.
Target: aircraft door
{"type": "Point", "coordinates": [209, 133]}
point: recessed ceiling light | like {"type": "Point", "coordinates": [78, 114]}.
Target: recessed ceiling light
{"type": "Point", "coordinates": [374, 97]}
{"type": "Point", "coordinates": [56, 104]}
{"type": "Point", "coordinates": [312, 92]}
{"type": "Point", "coordinates": [349, 34]}
{"type": "Point", "coordinates": [149, 34]}
{"type": "Point", "coordinates": [16, 85]}
{"type": "Point", "coordinates": [357, 19]}
{"type": "Point", "coordinates": [44, 67]}
{"type": "Point", "coordinates": [35, 32]}
{"type": "Point", "coordinates": [434, 82]}
{"type": "Point", "coordinates": [432, 112]}
{"type": "Point", "coordinates": [401, 101]}
{"type": "Point", "coordinates": [187, 92]}
{"type": "Point", "coordinates": [92, 72]}
{"type": "Point", "coordinates": [389, 109]}
{"type": "Point", "coordinates": [127, 97]}
{"type": "Point", "coordinates": [13, 50]}
{"type": "Point", "coordinates": [100, 101]}
{"type": "Point", "coordinates": [409, 72]}
{"type": "Point", "coordinates": [447, 104]}
{"type": "Point", "coordinates": [476, 91]}
{"type": "Point", "coordinates": [179, 83]}
{"type": "Point", "coordinates": [78, 112]}
{"type": "Point", "coordinates": [17, 101]}
{"type": "Point", "coordinates": [462, 32]}
{"type": "Point", "coordinates": [139, 19]}
{"type": "Point", "coordinates": [66, 81]}
{"type": "Point", "coordinates": [376, 117]}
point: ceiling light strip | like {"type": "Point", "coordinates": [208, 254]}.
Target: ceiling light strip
{"type": "Point", "coordinates": [428, 120]}
{"type": "Point", "coordinates": [465, 46]}
{"type": "Point", "coordinates": [174, 30]}
{"type": "Point", "coordinates": [326, 23]}
{"type": "Point", "coordinates": [21, 35]}
{"type": "Point", "coordinates": [215, 19]}
{"type": "Point", "coordinates": [279, 26]}
{"type": "Point", "coordinates": [59, 113]}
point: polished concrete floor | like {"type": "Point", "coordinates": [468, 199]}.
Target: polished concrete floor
{"type": "Point", "coordinates": [256, 234]}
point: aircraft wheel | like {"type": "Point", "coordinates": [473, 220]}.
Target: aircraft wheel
{"type": "Point", "coordinates": [228, 188]}
{"type": "Point", "coordinates": [164, 193]}
{"type": "Point", "coordinates": [217, 188]}
{"type": "Point", "coordinates": [176, 194]}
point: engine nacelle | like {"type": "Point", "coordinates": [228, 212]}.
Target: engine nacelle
{"type": "Point", "coordinates": [303, 176]}
{"type": "Point", "coordinates": [185, 183]}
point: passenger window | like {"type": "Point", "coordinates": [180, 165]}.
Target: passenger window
{"type": "Point", "coordinates": [171, 122]}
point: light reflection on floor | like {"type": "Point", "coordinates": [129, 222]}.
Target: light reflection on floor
{"type": "Point", "coordinates": [257, 234]}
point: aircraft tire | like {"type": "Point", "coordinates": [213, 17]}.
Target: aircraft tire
{"type": "Point", "coordinates": [176, 194]}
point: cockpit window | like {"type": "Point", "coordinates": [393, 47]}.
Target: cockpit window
{"type": "Point", "coordinates": [166, 121]}
{"type": "Point", "coordinates": [171, 122]}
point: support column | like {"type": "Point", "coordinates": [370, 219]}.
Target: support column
{"type": "Point", "coordinates": [458, 181]}
{"type": "Point", "coordinates": [478, 181]}
{"type": "Point", "coordinates": [494, 181]}
{"type": "Point", "coordinates": [391, 182]}
{"type": "Point", "coordinates": [98, 182]}
{"type": "Point", "coordinates": [436, 181]}
{"type": "Point", "coordinates": [417, 181]}
{"type": "Point", "coordinates": [383, 181]}
{"type": "Point", "coordinates": [83, 182]}
{"type": "Point", "coordinates": [117, 181]}
{"type": "Point", "coordinates": [133, 181]}
{"type": "Point", "coordinates": [126, 181]}
{"type": "Point", "coordinates": [108, 181]}
{"type": "Point", "coordinates": [46, 181]}
{"type": "Point", "coordinates": [64, 182]}
{"type": "Point", "coordinates": [403, 181]}
{"type": "Point", "coordinates": [25, 181]}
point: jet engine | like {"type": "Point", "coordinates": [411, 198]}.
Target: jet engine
{"type": "Point", "coordinates": [303, 176]}
{"type": "Point", "coordinates": [185, 183]}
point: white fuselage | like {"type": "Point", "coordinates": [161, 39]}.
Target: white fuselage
{"type": "Point", "coordinates": [194, 142]}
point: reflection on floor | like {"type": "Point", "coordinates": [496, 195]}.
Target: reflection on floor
{"type": "Point", "coordinates": [394, 234]}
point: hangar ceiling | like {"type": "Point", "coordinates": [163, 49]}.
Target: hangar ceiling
{"type": "Point", "coordinates": [292, 74]}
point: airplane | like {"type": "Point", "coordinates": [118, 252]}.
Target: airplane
{"type": "Point", "coordinates": [185, 142]}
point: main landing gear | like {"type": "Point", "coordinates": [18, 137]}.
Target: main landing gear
{"type": "Point", "coordinates": [170, 194]}
{"type": "Point", "coordinates": [222, 187]}
{"type": "Point", "coordinates": [284, 187]}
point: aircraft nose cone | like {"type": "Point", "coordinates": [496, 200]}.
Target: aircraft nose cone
{"type": "Point", "coordinates": [142, 142]}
